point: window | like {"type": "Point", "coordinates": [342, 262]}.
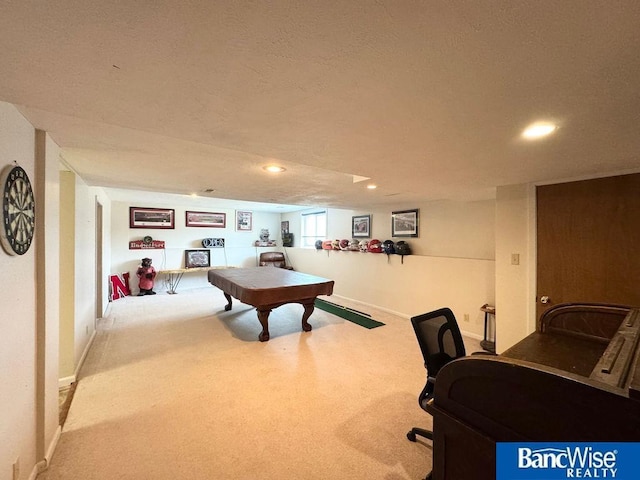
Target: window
{"type": "Point", "coordinates": [314, 227]}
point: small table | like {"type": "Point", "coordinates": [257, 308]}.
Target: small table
{"type": "Point", "coordinates": [174, 276]}
{"type": "Point", "coordinates": [486, 344]}
{"type": "Point", "coordinates": [267, 288]}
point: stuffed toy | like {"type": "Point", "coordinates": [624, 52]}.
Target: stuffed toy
{"type": "Point", "coordinates": [146, 273]}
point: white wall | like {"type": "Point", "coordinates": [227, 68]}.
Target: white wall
{"type": "Point", "coordinates": [446, 228]}
{"type": "Point", "coordinates": [28, 310]}
{"type": "Point", "coordinates": [78, 266]}
{"type": "Point", "coordinates": [515, 284]}
{"type": "Point", "coordinates": [239, 250]}
{"type": "Point", "coordinates": [420, 284]}
{"type": "Point", "coordinates": [17, 316]}
{"type": "Point", "coordinates": [102, 198]}
{"type": "Point", "coordinates": [452, 263]}
{"type": "Point", "coordinates": [48, 250]}
{"type": "Point", "coordinates": [85, 263]}
{"type": "Point", "coordinates": [67, 276]}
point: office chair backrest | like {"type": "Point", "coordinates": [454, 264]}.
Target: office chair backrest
{"type": "Point", "coordinates": [439, 338]}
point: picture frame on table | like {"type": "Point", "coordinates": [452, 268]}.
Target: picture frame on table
{"type": "Point", "coordinates": [206, 219]}
{"type": "Point", "coordinates": [361, 226]}
{"type": "Point", "coordinates": [405, 223]}
{"type": "Point", "coordinates": [197, 258]}
{"type": "Point", "coordinates": [244, 221]}
{"type": "Point", "coordinates": [140, 217]}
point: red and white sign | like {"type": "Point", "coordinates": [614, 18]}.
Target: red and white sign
{"type": "Point", "coordinates": [140, 245]}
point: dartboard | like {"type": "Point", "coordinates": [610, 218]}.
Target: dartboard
{"type": "Point", "coordinates": [18, 211]}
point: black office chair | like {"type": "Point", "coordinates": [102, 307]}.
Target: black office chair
{"type": "Point", "coordinates": [441, 342]}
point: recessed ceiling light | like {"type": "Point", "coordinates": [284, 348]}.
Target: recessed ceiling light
{"type": "Point", "coordinates": [371, 186]}
{"type": "Point", "coordinates": [274, 168]}
{"type": "Point", "coordinates": [538, 130]}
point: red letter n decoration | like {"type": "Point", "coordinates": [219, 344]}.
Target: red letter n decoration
{"type": "Point", "coordinates": [119, 286]}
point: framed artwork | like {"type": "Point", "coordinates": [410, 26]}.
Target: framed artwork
{"type": "Point", "coordinates": [404, 223]}
{"type": "Point", "coordinates": [361, 226]}
{"type": "Point", "coordinates": [205, 219]}
{"type": "Point", "coordinates": [151, 217]}
{"type": "Point", "coordinates": [197, 258]}
{"type": "Point", "coordinates": [284, 227]}
{"type": "Point", "coordinates": [244, 221]}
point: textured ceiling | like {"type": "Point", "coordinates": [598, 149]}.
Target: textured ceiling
{"type": "Point", "coordinates": [426, 98]}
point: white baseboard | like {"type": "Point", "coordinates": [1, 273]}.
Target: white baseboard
{"type": "Point", "coordinates": [36, 470]}
{"type": "Point", "coordinates": [62, 383]}
{"type": "Point", "coordinates": [475, 336]}
{"type": "Point", "coordinates": [52, 446]}
{"type": "Point", "coordinates": [377, 307]}
{"type": "Point", "coordinates": [42, 465]}
{"type": "Point", "coordinates": [66, 381]}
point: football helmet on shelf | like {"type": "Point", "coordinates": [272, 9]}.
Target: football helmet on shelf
{"type": "Point", "coordinates": [375, 246]}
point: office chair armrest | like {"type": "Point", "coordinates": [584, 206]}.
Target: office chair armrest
{"type": "Point", "coordinates": [484, 353]}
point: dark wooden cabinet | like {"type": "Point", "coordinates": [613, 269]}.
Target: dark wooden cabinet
{"type": "Point", "coordinates": [587, 389]}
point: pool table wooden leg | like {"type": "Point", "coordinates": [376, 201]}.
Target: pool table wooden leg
{"type": "Point", "coordinates": [227, 307]}
{"type": "Point", "coordinates": [308, 310]}
{"type": "Point", "coordinates": [263, 316]}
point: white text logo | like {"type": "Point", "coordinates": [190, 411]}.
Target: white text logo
{"type": "Point", "coordinates": [577, 462]}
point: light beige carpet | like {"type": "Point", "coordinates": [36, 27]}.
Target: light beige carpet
{"type": "Point", "coordinates": [174, 387]}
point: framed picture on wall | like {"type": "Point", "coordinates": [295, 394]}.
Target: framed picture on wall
{"type": "Point", "coordinates": [244, 221]}
{"type": "Point", "coordinates": [206, 219]}
{"type": "Point", "coordinates": [361, 226]}
{"type": "Point", "coordinates": [197, 258]}
{"type": "Point", "coordinates": [404, 223]}
{"type": "Point", "coordinates": [151, 217]}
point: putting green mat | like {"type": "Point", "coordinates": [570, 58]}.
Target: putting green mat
{"type": "Point", "coordinates": [348, 314]}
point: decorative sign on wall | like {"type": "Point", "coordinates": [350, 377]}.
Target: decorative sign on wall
{"type": "Point", "coordinates": [213, 242]}
{"type": "Point", "coordinates": [142, 245]}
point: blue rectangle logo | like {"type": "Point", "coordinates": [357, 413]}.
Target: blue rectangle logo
{"type": "Point", "coordinates": [557, 460]}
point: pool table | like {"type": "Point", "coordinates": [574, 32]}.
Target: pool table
{"type": "Point", "coordinates": [267, 288]}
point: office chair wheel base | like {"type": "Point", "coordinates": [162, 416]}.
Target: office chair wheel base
{"type": "Point", "coordinates": [411, 436]}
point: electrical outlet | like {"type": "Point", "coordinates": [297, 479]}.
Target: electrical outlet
{"type": "Point", "coordinates": [87, 329]}
{"type": "Point", "coordinates": [16, 469]}
{"type": "Point", "coordinates": [515, 259]}
{"type": "Point", "coordinates": [466, 317]}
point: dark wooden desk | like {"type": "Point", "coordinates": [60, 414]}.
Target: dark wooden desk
{"type": "Point", "coordinates": [576, 379]}
{"type": "Point", "coordinates": [267, 288]}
